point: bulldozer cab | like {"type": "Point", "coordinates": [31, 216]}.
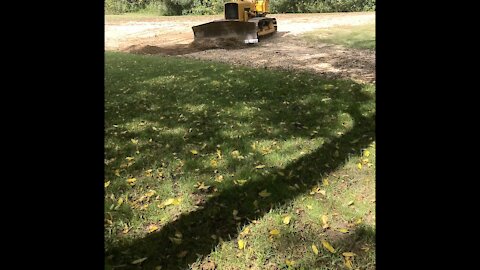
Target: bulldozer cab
{"type": "Point", "coordinates": [231, 11]}
{"type": "Point", "coordinates": [241, 10]}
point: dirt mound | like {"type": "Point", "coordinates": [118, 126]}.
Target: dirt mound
{"type": "Point", "coordinates": [219, 43]}
{"type": "Point", "coordinates": [179, 49]}
{"type": "Point", "coordinates": [194, 46]}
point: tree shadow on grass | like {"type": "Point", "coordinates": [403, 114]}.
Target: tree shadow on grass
{"type": "Point", "coordinates": [214, 216]}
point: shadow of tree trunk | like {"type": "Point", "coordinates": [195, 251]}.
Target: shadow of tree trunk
{"type": "Point", "coordinates": [215, 216]}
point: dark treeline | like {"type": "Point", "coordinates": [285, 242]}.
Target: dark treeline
{"type": "Point", "coordinates": [204, 7]}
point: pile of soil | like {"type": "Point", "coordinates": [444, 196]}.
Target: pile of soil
{"type": "Point", "coordinates": [194, 46]}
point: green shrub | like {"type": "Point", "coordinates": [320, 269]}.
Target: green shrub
{"type": "Point", "coordinates": [311, 6]}
{"type": "Point", "coordinates": [155, 7]}
{"type": "Point", "coordinates": [119, 6]}
{"type": "Point", "coordinates": [206, 7]}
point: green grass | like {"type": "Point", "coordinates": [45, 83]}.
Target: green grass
{"type": "Point", "coordinates": [360, 36]}
{"type": "Point", "coordinates": [171, 123]}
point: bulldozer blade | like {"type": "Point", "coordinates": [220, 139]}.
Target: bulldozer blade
{"type": "Point", "coordinates": [243, 31]}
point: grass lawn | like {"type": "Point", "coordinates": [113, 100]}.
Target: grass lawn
{"type": "Point", "coordinates": [209, 164]}
{"type": "Point", "coordinates": [360, 36]}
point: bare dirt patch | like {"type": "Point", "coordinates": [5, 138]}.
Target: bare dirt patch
{"type": "Point", "coordinates": [190, 48]}
{"type": "Point", "coordinates": [283, 50]}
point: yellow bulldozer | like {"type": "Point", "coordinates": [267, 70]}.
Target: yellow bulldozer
{"type": "Point", "coordinates": [244, 20]}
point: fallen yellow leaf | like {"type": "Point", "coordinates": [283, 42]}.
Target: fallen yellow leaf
{"type": "Point", "coordinates": [264, 193]}
{"type": "Point", "coordinates": [201, 186]}
{"type": "Point", "coordinates": [168, 202]}
{"type": "Point", "coordinates": [134, 141]}
{"type": "Point", "coordinates": [343, 230]}
{"type": "Point", "coordinates": [260, 167]}
{"type": "Point", "coordinates": [274, 232]}
{"type": "Point", "coordinates": [117, 172]}
{"type": "Point", "coordinates": [175, 240]}
{"type": "Point", "coordinates": [106, 184]}
{"type": "Point", "coordinates": [366, 153]}
{"type": "Point", "coordinates": [177, 201]}
{"type": "Point", "coordinates": [152, 228]}
{"type": "Point", "coordinates": [328, 246]}
{"type": "Point", "coordinates": [350, 203]}
{"type": "Point", "coordinates": [120, 201]}
{"type": "Point", "coordinates": [150, 193]}
{"type": "Point", "coordinates": [286, 219]}
{"type": "Point", "coordinates": [365, 248]}
{"type": "Point", "coordinates": [245, 231]}
{"type": "Point", "coordinates": [289, 263]}
{"type": "Point", "coordinates": [219, 154]}
{"type": "Point", "coordinates": [315, 249]}
{"type": "Point", "coordinates": [325, 221]}
{"type": "Point", "coordinates": [309, 206]}
{"type": "Point", "coordinates": [139, 260]}
{"type": "Point", "coordinates": [349, 254]}
{"type": "Point", "coordinates": [131, 181]}
{"type": "Point", "coordinates": [219, 178]}
{"type": "Point", "coordinates": [213, 163]}
{"type": "Point", "coordinates": [240, 182]}
{"type": "Point", "coordinates": [195, 152]}
{"type": "Point", "coordinates": [241, 244]}
{"type": "Point", "coordinates": [129, 158]}
{"type": "Point", "coordinates": [317, 190]}
{"type": "Point", "coordinates": [325, 182]}
{"type": "Point", "coordinates": [348, 263]}
{"type": "Point", "coordinates": [125, 229]}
